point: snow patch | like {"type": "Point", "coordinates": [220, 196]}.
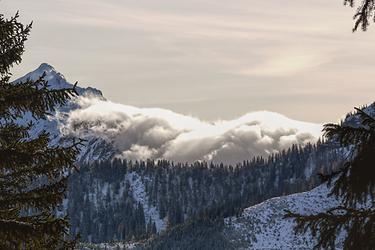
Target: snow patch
{"type": "Point", "coordinates": [139, 195]}
{"type": "Point", "coordinates": [263, 227]}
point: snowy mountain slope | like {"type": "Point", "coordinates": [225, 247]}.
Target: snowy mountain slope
{"type": "Point", "coordinates": [259, 227]}
{"type": "Point", "coordinates": [115, 199]}
{"type": "Point", "coordinates": [103, 194]}
{"type": "Point", "coordinates": [56, 80]}
{"type": "Point", "coordinates": [263, 226]}
{"type": "Point", "coordinates": [95, 148]}
{"type": "Point", "coordinates": [111, 193]}
{"type": "Point", "coordinates": [140, 195]}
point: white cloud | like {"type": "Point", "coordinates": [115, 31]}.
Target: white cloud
{"type": "Point", "coordinates": [286, 64]}
{"type": "Point", "coordinates": [142, 133]}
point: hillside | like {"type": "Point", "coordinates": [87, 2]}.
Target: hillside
{"type": "Point", "coordinates": [123, 200]}
{"type": "Point", "coordinates": [263, 227]}
{"type": "Point", "coordinates": [258, 227]}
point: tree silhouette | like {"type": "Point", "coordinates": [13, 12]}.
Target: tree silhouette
{"type": "Point", "coordinates": [353, 184]}
{"type": "Point", "coordinates": [364, 13]}
{"type": "Point", "coordinates": [33, 174]}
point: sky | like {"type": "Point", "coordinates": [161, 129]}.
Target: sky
{"type": "Point", "coordinates": [212, 59]}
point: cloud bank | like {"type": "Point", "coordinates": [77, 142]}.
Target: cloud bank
{"type": "Point", "coordinates": [153, 133]}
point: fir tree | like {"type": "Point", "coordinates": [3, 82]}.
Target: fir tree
{"type": "Point", "coordinates": [354, 184]}
{"type": "Point", "coordinates": [364, 13]}
{"type": "Point", "coordinates": [33, 174]}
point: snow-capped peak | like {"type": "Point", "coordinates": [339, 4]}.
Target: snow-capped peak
{"type": "Point", "coordinates": [56, 80]}
{"type": "Point", "coordinates": [45, 67]}
{"type": "Point", "coordinates": [53, 123]}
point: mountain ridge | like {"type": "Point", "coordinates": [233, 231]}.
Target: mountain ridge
{"type": "Point", "coordinates": [116, 130]}
{"type": "Point", "coordinates": [56, 80]}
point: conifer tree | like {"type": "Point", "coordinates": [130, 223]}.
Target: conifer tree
{"type": "Point", "coordinates": [364, 14]}
{"type": "Point", "coordinates": [33, 174]}
{"type": "Point", "coordinates": [354, 185]}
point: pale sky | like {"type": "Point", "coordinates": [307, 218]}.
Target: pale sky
{"type": "Point", "coordinates": [213, 59]}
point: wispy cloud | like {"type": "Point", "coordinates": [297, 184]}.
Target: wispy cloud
{"type": "Point", "coordinates": [206, 49]}
{"type": "Point", "coordinates": [286, 64]}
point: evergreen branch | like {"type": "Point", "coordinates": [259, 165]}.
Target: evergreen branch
{"type": "Point", "coordinates": [30, 97]}
{"type": "Point", "coordinates": [45, 197]}
{"type": "Point", "coordinates": [33, 175]}
{"type": "Point", "coordinates": [346, 135]}
{"type": "Point", "coordinates": [366, 119]}
{"type": "Point", "coordinates": [363, 14]}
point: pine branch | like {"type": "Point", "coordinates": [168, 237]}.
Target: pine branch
{"type": "Point", "coordinates": [366, 119]}
{"type": "Point", "coordinates": [364, 13]}
{"type": "Point", "coordinates": [33, 175]}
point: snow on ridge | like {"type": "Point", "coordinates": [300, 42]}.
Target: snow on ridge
{"type": "Point", "coordinates": [94, 148]}
{"type": "Point", "coordinates": [56, 80]}
{"type": "Point", "coordinates": [139, 195]}
{"type": "Point", "coordinates": [263, 227]}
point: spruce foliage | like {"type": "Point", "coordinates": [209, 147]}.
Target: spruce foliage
{"type": "Point", "coordinates": [354, 184]}
{"type": "Point", "coordinates": [33, 175]}
{"type": "Point", "coordinates": [364, 13]}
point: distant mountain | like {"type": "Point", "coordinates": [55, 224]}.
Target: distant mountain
{"type": "Point", "coordinates": [116, 130]}
{"type": "Point", "coordinates": [95, 148]}
{"type": "Point", "coordinates": [56, 80]}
